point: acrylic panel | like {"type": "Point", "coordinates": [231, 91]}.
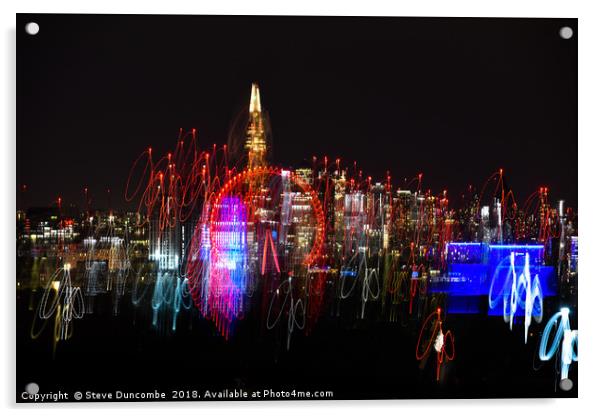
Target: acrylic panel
{"type": "Point", "coordinates": [295, 208]}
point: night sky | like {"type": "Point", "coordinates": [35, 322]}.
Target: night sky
{"type": "Point", "coordinates": [455, 99]}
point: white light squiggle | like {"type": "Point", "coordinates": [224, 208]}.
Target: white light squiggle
{"type": "Point", "coordinates": [296, 309]}
{"type": "Point", "coordinates": [66, 304]}
{"type": "Point", "coordinates": [521, 291]}
{"type": "Point", "coordinates": [370, 290]}
{"type": "Point", "coordinates": [569, 338]}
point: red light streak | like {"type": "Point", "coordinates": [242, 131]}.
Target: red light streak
{"type": "Point", "coordinates": [435, 341]}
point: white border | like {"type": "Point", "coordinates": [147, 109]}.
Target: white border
{"type": "Point", "coordinates": [590, 135]}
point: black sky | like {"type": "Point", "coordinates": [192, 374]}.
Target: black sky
{"type": "Point", "coordinates": [455, 99]}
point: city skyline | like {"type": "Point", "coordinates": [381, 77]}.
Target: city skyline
{"type": "Point", "coordinates": [319, 101]}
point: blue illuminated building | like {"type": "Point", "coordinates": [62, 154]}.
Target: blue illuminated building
{"type": "Point", "coordinates": [471, 267]}
{"type": "Point", "coordinates": [574, 254]}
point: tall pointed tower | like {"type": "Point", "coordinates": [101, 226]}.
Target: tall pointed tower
{"type": "Point", "coordinates": [256, 144]}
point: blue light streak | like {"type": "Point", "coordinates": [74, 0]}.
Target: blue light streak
{"type": "Point", "coordinates": [570, 338]}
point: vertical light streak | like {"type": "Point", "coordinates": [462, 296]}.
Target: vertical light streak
{"type": "Point", "coordinates": [295, 307]}
{"type": "Point", "coordinates": [439, 341]}
{"type": "Point", "coordinates": [570, 338]}
{"type": "Point", "coordinates": [63, 301]}
{"type": "Point", "coordinates": [518, 292]}
{"type": "Point", "coordinates": [228, 273]}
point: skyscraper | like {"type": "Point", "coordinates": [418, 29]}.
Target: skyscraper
{"type": "Point", "coordinates": [256, 144]}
